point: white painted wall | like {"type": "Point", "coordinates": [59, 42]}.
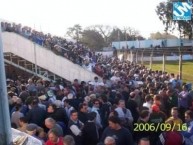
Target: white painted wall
{"type": "Point", "coordinates": [160, 58]}
{"type": "Point", "coordinates": [46, 59]}
{"type": "Point", "coordinates": [157, 58]}
{"type": "Point", "coordinates": [105, 53]}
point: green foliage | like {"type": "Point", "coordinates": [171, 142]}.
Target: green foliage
{"type": "Point", "coordinates": [99, 36]}
{"type": "Point", "coordinates": [116, 35]}
{"type": "Point", "coordinates": [165, 13]}
{"type": "Point", "coordinates": [74, 32]}
{"type": "Point", "coordinates": [93, 39]}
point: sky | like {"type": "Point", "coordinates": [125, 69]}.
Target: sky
{"type": "Point", "coordinates": [55, 16]}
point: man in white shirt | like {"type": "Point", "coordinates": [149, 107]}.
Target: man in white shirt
{"type": "Point", "coordinates": [148, 102]}
{"type": "Point", "coordinates": [172, 80]}
{"type": "Point", "coordinates": [115, 79]}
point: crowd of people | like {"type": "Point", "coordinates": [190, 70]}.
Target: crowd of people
{"type": "Point", "coordinates": [131, 105]}
{"type": "Point", "coordinates": [74, 51]}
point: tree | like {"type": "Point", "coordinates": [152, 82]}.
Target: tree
{"type": "Point", "coordinates": [165, 13]}
{"type": "Point", "coordinates": [98, 36]}
{"type": "Point", "coordinates": [116, 35]}
{"type": "Point", "coordinates": [130, 33]}
{"type": "Point", "coordinates": [127, 34]}
{"type": "Point", "coordinates": [75, 32]}
{"type": "Point", "coordinates": [92, 39]}
{"type": "Point", "coordinates": [104, 30]}
{"type": "Point", "coordinates": [159, 35]}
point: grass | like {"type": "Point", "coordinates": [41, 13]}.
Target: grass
{"type": "Point", "coordinates": [173, 67]}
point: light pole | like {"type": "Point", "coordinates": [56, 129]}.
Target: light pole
{"type": "Point", "coordinates": [5, 125]}
{"type": "Point", "coordinates": [180, 54]}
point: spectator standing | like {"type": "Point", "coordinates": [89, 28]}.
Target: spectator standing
{"type": "Point", "coordinates": [124, 114]}
{"type": "Point", "coordinates": [143, 119]}
{"type": "Point", "coordinates": [90, 131]}
{"type": "Point", "coordinates": [75, 127]}
{"type": "Point", "coordinates": [54, 138]}
{"type": "Point", "coordinates": [109, 141]}
{"type": "Point", "coordinates": [121, 135]}
{"type": "Point", "coordinates": [16, 115]}
{"type": "Point", "coordinates": [133, 106]}
{"type": "Point", "coordinates": [96, 109]}
{"type": "Point", "coordinates": [31, 87]}
{"type": "Point", "coordinates": [22, 124]}
{"type": "Point", "coordinates": [50, 123]}
{"type": "Point", "coordinates": [144, 141]}
{"type": "Point", "coordinates": [51, 110]}
{"type": "Point", "coordinates": [24, 93]}
{"type": "Point", "coordinates": [156, 117]}
{"type": "Point", "coordinates": [148, 102]}
{"type": "Point", "coordinates": [36, 114]}
{"type": "Point", "coordinates": [32, 129]}
{"type": "Point", "coordinates": [68, 108]}
{"type": "Point", "coordinates": [105, 110]}
{"type": "Point", "coordinates": [183, 101]}
{"type": "Point", "coordinates": [60, 113]}
{"type": "Point", "coordinates": [188, 135]}
{"type": "Point", "coordinates": [68, 140]}
{"type": "Point", "coordinates": [83, 112]}
{"type": "Point", "coordinates": [175, 118]}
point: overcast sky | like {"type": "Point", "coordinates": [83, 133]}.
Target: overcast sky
{"type": "Point", "coordinates": [55, 16]}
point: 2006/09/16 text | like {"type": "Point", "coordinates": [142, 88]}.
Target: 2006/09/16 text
{"type": "Point", "coordinates": [159, 127]}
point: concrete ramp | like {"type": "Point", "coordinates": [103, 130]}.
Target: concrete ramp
{"type": "Point", "coordinates": [44, 58]}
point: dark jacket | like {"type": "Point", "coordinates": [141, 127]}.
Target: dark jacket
{"type": "Point", "coordinates": [60, 115]}
{"type": "Point", "coordinates": [83, 117]}
{"type": "Point", "coordinates": [122, 136]}
{"type": "Point", "coordinates": [104, 113]}
{"type": "Point", "coordinates": [90, 134]}
{"type": "Point", "coordinates": [36, 115]}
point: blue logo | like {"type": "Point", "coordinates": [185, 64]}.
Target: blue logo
{"type": "Point", "coordinates": [182, 10]}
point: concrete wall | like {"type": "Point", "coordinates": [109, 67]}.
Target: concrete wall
{"type": "Point", "coordinates": [172, 58]}
{"type": "Point", "coordinates": [132, 57]}
{"type": "Point", "coordinates": [148, 43]}
{"type": "Point", "coordinates": [45, 58]}
{"type": "Point", "coordinates": [105, 53]}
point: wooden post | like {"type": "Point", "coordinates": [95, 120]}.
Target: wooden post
{"type": "Point", "coordinates": [151, 59]}
{"type": "Point", "coordinates": [164, 60]}
{"type": "Point", "coordinates": [142, 56]}
{"type": "Point", "coordinates": [180, 63]}
{"type": "Point", "coordinates": [136, 56]}
{"type": "Point", "coordinates": [180, 54]}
